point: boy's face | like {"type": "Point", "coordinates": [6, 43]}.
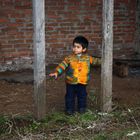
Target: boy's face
{"type": "Point", "coordinates": [78, 49]}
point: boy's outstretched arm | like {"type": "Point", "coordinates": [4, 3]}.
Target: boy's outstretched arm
{"type": "Point", "coordinates": [60, 68]}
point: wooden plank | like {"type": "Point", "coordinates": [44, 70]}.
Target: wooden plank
{"type": "Point", "coordinates": [107, 45]}
{"type": "Point", "coordinates": [39, 59]}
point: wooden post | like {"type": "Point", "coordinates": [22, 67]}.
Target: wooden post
{"type": "Point", "coordinates": [39, 59]}
{"type": "Point", "coordinates": [107, 45]}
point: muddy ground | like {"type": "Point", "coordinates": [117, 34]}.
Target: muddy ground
{"type": "Point", "coordinates": [16, 92]}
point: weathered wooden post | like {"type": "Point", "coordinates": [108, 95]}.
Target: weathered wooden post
{"type": "Point", "coordinates": [39, 59]}
{"type": "Point", "coordinates": [107, 47]}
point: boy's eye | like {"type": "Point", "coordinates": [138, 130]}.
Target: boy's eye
{"type": "Point", "coordinates": [76, 46]}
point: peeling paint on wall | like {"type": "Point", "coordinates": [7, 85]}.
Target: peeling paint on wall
{"type": "Point", "coordinates": [17, 64]}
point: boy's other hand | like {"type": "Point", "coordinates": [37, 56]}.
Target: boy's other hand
{"type": "Point", "coordinates": [53, 75]}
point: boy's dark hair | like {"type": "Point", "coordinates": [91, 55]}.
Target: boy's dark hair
{"type": "Point", "coordinates": [82, 41]}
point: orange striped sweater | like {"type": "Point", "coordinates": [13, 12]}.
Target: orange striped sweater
{"type": "Point", "coordinates": [77, 68]}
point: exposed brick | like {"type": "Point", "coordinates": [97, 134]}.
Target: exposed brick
{"type": "Point", "coordinates": [2, 20]}
{"type": "Point", "coordinates": [64, 21]}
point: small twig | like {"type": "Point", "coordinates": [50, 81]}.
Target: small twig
{"type": "Point", "coordinates": [129, 110]}
{"type": "Point", "coordinates": [10, 126]}
{"type": "Point", "coordinates": [30, 136]}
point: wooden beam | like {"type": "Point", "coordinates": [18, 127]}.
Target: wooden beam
{"type": "Point", "coordinates": [39, 59]}
{"type": "Point", "coordinates": [107, 45]}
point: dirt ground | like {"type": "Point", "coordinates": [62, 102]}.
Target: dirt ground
{"type": "Point", "coordinates": [16, 92]}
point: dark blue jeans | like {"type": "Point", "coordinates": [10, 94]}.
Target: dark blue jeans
{"type": "Point", "coordinates": [73, 91]}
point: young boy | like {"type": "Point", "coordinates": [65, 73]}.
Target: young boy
{"type": "Point", "coordinates": [77, 67]}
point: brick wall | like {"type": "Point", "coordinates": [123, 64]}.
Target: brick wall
{"type": "Point", "coordinates": [15, 33]}
{"type": "Point", "coordinates": [124, 27]}
{"type": "Point", "coordinates": [68, 18]}
{"type": "Point", "coordinates": [65, 19]}
{"type": "Point", "coordinates": [137, 48]}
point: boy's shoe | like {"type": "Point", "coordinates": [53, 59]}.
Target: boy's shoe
{"type": "Point", "coordinates": [82, 110]}
{"type": "Point", "coordinates": [68, 112]}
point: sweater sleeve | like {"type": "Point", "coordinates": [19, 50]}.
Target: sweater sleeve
{"type": "Point", "coordinates": [62, 66]}
{"type": "Point", "coordinates": [95, 61]}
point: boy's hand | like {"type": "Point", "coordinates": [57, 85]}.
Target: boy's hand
{"type": "Point", "coordinates": [54, 74]}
